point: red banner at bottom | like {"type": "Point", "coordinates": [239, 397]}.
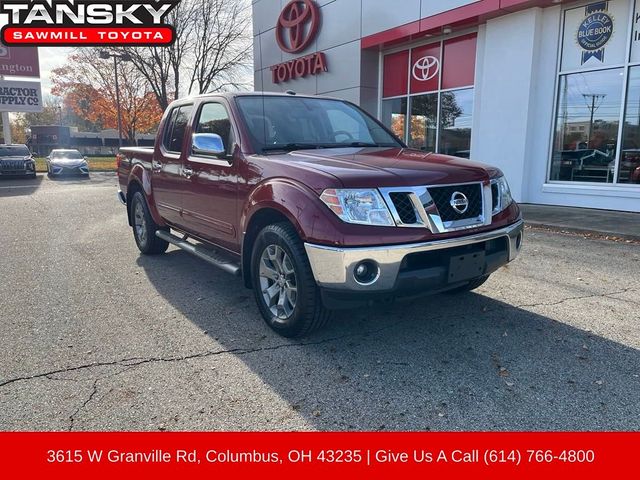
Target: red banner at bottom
{"type": "Point", "coordinates": [374, 455]}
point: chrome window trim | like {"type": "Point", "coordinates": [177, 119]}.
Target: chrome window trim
{"type": "Point", "coordinates": [427, 211]}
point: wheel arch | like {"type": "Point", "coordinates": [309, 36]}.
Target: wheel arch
{"type": "Point", "coordinates": [140, 181]}
{"type": "Point", "coordinates": [262, 218]}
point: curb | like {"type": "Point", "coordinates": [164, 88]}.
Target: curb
{"type": "Point", "coordinates": [583, 231]}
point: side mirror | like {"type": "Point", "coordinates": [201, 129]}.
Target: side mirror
{"type": "Point", "coordinates": [208, 144]}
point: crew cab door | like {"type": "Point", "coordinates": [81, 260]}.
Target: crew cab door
{"type": "Point", "coordinates": [209, 203]}
{"type": "Point", "coordinates": [168, 181]}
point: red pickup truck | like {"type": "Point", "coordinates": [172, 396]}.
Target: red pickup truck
{"type": "Point", "coordinates": [315, 204]}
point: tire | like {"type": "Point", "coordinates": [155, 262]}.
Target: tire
{"type": "Point", "coordinates": [144, 228]}
{"type": "Point", "coordinates": [286, 292]}
{"type": "Point", "coordinates": [472, 285]}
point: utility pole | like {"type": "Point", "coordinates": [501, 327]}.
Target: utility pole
{"type": "Point", "coordinates": [6, 125]}
{"type": "Point", "coordinates": [105, 54]}
{"type": "Point", "coordinates": [594, 98]}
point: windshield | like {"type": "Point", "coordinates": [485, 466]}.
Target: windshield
{"type": "Point", "coordinates": [72, 155]}
{"type": "Point", "coordinates": [14, 151]}
{"type": "Point", "coordinates": [297, 123]}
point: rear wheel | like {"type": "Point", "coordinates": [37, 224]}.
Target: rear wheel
{"type": "Point", "coordinates": [144, 228]}
{"type": "Point", "coordinates": [472, 285]}
{"type": "Point", "coordinates": [285, 290]}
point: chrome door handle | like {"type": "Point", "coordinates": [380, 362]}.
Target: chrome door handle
{"type": "Point", "coordinates": [187, 172]}
{"type": "Point", "coordinates": [156, 165]}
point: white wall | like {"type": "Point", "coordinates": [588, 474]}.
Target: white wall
{"type": "Point", "coordinates": [504, 108]}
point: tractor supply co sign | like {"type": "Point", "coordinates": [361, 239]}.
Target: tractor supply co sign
{"type": "Point", "coordinates": [87, 22]}
{"type": "Point", "coordinates": [20, 96]}
{"type": "Point", "coordinates": [296, 30]}
{"type": "Point", "coordinates": [19, 61]}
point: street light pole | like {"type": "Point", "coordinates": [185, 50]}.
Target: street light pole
{"type": "Point", "coordinates": [125, 58]}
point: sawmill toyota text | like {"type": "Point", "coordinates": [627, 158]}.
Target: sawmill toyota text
{"type": "Point", "coordinates": [85, 22]}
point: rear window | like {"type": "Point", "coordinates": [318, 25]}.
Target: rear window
{"type": "Point", "coordinates": [14, 151]}
{"type": "Point", "coordinates": [176, 128]}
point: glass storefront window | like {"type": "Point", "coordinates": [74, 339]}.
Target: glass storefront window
{"type": "Point", "coordinates": [435, 112]}
{"type": "Point", "coordinates": [597, 124]}
{"type": "Point", "coordinates": [629, 171]}
{"type": "Point", "coordinates": [423, 126]}
{"type": "Point", "coordinates": [394, 115]}
{"type": "Point", "coordinates": [587, 126]}
{"type": "Point", "coordinates": [456, 111]}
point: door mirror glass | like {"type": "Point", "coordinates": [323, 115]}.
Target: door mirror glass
{"type": "Point", "coordinates": [208, 144]}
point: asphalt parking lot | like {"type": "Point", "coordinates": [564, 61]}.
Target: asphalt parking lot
{"type": "Point", "coordinates": [96, 337]}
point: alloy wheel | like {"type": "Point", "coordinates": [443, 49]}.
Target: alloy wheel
{"type": "Point", "coordinates": [140, 223]}
{"type": "Point", "coordinates": [278, 282]}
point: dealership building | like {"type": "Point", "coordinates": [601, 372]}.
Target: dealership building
{"type": "Point", "coordinates": [547, 90]}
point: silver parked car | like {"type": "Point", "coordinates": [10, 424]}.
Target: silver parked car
{"type": "Point", "coordinates": [67, 162]}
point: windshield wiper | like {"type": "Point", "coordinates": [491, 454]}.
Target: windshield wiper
{"type": "Point", "coordinates": [372, 145]}
{"type": "Point", "coordinates": [290, 147]}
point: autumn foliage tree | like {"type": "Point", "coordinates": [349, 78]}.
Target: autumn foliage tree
{"type": "Point", "coordinates": [87, 86]}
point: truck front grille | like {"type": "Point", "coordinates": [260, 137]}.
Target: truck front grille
{"type": "Point", "coordinates": [432, 207]}
{"type": "Point", "coordinates": [404, 206]}
{"type": "Point", "coordinates": [442, 197]}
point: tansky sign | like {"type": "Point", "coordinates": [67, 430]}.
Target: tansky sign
{"type": "Point", "coordinates": [296, 30]}
{"type": "Point", "coordinates": [86, 22]}
{"type": "Point", "coordinates": [595, 31]}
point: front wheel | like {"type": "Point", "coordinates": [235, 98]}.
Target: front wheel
{"type": "Point", "coordinates": [285, 290]}
{"type": "Point", "coordinates": [144, 228]}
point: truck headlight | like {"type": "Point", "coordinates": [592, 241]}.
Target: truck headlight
{"type": "Point", "coordinates": [360, 206]}
{"type": "Point", "coordinates": [501, 194]}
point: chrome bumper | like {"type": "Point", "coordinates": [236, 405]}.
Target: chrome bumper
{"type": "Point", "coordinates": [122, 198]}
{"type": "Point", "coordinates": [334, 267]}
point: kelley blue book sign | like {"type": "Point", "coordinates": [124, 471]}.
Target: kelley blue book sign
{"type": "Point", "coordinates": [596, 34]}
{"type": "Point", "coordinates": [20, 96]}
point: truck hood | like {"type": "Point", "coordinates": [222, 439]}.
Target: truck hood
{"type": "Point", "coordinates": [389, 167]}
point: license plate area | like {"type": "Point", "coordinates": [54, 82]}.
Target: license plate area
{"type": "Point", "coordinates": [467, 266]}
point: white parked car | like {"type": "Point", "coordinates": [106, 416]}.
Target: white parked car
{"type": "Point", "coordinates": [67, 162]}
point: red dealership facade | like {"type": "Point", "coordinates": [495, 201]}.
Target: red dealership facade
{"type": "Point", "coordinates": [548, 90]}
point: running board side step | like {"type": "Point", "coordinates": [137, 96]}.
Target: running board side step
{"type": "Point", "coordinates": [209, 256]}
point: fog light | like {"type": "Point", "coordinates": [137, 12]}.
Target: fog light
{"type": "Point", "coordinates": [366, 273]}
{"type": "Point", "coordinates": [519, 241]}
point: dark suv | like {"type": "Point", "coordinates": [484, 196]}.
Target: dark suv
{"type": "Point", "coordinates": [16, 160]}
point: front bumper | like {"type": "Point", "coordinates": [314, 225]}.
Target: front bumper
{"type": "Point", "coordinates": [399, 265]}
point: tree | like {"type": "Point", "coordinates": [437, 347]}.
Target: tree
{"type": "Point", "coordinates": [52, 113]}
{"type": "Point", "coordinates": [212, 51]}
{"type": "Point", "coordinates": [87, 85]}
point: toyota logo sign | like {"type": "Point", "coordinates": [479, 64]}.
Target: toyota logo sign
{"type": "Point", "coordinates": [298, 25]}
{"type": "Point", "coordinates": [426, 68]}
{"type": "Point", "coordinates": [459, 202]}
